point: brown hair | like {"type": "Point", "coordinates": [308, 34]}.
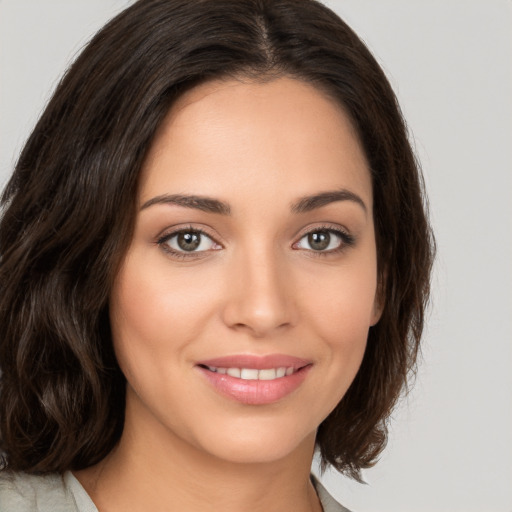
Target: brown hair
{"type": "Point", "coordinates": [69, 208]}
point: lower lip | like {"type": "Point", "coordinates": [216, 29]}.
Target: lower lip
{"type": "Point", "coordinates": [255, 392]}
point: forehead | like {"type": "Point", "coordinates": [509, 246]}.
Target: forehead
{"type": "Point", "coordinates": [284, 137]}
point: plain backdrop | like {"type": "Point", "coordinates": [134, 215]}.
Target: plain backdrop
{"type": "Point", "coordinates": [450, 62]}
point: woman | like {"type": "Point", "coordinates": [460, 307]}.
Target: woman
{"type": "Point", "coordinates": [215, 258]}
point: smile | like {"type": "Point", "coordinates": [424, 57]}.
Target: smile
{"type": "Point", "coordinates": [253, 373]}
{"type": "Point", "coordinates": [255, 380]}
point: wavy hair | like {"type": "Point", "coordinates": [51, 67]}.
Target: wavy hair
{"type": "Point", "coordinates": [68, 215]}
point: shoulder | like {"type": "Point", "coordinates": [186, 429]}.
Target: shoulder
{"type": "Point", "coordinates": [21, 492]}
{"type": "Point", "coordinates": [329, 504]}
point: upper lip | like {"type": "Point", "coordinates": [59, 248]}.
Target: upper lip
{"type": "Point", "coordinates": [257, 362]}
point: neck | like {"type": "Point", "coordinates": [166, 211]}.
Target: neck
{"type": "Point", "coordinates": [152, 468]}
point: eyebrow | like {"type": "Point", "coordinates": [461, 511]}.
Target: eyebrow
{"type": "Point", "coordinates": [207, 204]}
{"type": "Point", "coordinates": [308, 203]}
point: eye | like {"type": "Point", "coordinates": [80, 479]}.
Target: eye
{"type": "Point", "coordinates": [188, 241]}
{"type": "Point", "coordinates": [325, 240]}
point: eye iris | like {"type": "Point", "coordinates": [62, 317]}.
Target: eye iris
{"type": "Point", "coordinates": [189, 241]}
{"type": "Point", "coordinates": [319, 240]}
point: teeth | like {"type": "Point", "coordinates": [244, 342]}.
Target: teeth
{"type": "Point", "coordinates": [253, 374]}
{"type": "Point", "coordinates": [234, 372]}
{"type": "Point", "coordinates": [269, 374]}
{"type": "Point", "coordinates": [248, 374]}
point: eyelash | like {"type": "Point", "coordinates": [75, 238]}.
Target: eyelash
{"type": "Point", "coordinates": [347, 240]}
{"type": "Point", "coordinates": [162, 242]}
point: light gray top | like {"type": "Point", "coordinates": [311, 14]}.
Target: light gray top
{"type": "Point", "coordinates": [20, 492]}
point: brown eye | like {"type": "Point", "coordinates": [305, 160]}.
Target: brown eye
{"type": "Point", "coordinates": [324, 241]}
{"type": "Point", "coordinates": [319, 240]}
{"type": "Point", "coordinates": [188, 241]}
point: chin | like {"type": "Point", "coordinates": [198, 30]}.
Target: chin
{"type": "Point", "coordinates": [258, 442]}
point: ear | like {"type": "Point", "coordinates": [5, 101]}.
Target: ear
{"type": "Point", "coordinates": [379, 301]}
{"type": "Point", "coordinates": [378, 308]}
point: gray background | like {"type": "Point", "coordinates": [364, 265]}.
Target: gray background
{"type": "Point", "coordinates": [450, 62]}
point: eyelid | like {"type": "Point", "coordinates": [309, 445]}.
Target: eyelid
{"type": "Point", "coordinates": [184, 227]}
{"type": "Point", "coordinates": [170, 233]}
{"type": "Point", "coordinates": [347, 239]}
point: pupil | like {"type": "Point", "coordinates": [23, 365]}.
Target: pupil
{"type": "Point", "coordinates": [319, 240]}
{"type": "Point", "coordinates": [188, 241]}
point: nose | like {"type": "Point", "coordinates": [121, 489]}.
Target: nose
{"type": "Point", "coordinates": [260, 297]}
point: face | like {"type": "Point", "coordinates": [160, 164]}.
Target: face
{"type": "Point", "coordinates": [241, 311]}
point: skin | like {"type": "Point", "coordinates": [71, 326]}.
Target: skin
{"type": "Point", "coordinates": [258, 287]}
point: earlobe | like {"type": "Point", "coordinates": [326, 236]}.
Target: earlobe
{"type": "Point", "coordinates": [378, 303]}
{"type": "Point", "coordinates": [378, 308]}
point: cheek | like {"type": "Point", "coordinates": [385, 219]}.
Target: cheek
{"type": "Point", "coordinates": [152, 321]}
{"type": "Point", "coordinates": [340, 313]}
{"type": "Point", "coordinates": [343, 301]}
{"type": "Point", "coordinates": [150, 307]}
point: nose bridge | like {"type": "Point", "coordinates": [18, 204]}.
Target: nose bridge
{"type": "Point", "coordinates": [260, 299]}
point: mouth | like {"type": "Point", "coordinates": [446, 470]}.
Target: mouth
{"type": "Point", "coordinates": [254, 373]}
{"type": "Point", "coordinates": [255, 380]}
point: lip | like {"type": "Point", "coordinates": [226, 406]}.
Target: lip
{"type": "Point", "coordinates": [256, 362]}
{"type": "Point", "coordinates": [255, 392]}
